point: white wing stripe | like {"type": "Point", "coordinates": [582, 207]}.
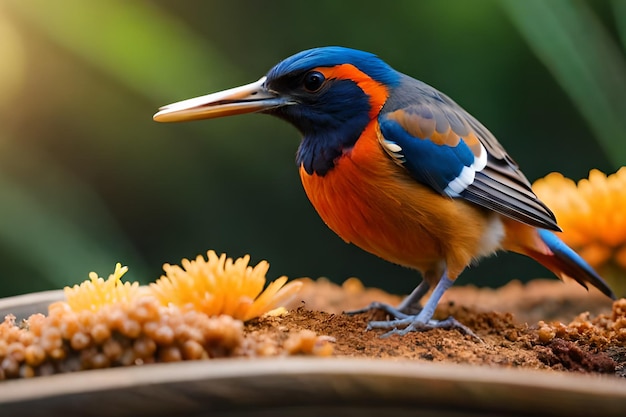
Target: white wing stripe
{"type": "Point", "coordinates": [467, 175]}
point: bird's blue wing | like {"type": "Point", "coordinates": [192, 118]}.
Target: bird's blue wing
{"type": "Point", "coordinates": [443, 146]}
{"type": "Point", "coordinates": [420, 138]}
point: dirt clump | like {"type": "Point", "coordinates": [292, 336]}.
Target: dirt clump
{"type": "Point", "coordinates": [519, 326]}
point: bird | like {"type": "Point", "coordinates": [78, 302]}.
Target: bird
{"type": "Point", "coordinates": [399, 169]}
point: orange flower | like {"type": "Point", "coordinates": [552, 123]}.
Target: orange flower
{"type": "Point", "coordinates": [214, 286]}
{"type": "Point", "coordinates": [592, 215]}
{"type": "Point", "coordinates": [220, 285]}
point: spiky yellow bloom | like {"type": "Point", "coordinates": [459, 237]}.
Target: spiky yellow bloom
{"type": "Point", "coordinates": [219, 285]}
{"type": "Point", "coordinates": [194, 312]}
{"type": "Point", "coordinates": [592, 215]}
{"type": "Point", "coordinates": [98, 292]}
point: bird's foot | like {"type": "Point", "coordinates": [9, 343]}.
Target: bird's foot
{"type": "Point", "coordinates": [392, 311]}
{"type": "Point", "coordinates": [407, 324]}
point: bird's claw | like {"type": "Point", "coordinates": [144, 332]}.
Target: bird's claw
{"type": "Point", "coordinates": [409, 324]}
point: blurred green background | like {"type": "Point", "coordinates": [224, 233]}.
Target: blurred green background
{"type": "Point", "coordinates": [87, 178]}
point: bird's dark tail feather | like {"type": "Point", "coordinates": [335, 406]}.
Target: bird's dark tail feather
{"type": "Point", "coordinates": [565, 262]}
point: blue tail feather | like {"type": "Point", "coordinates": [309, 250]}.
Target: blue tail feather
{"type": "Point", "coordinates": [566, 261]}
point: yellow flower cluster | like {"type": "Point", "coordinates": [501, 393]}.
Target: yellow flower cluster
{"type": "Point", "coordinates": [592, 215]}
{"type": "Point", "coordinates": [96, 292]}
{"type": "Point", "coordinates": [215, 286]}
{"type": "Point", "coordinates": [193, 312]}
{"type": "Point", "coordinates": [220, 285]}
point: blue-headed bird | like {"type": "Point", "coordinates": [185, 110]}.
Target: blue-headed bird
{"type": "Point", "coordinates": [399, 169]}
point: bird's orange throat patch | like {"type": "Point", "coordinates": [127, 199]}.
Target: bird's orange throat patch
{"type": "Point", "coordinates": [369, 201]}
{"type": "Point", "coordinates": [377, 92]}
{"type": "Point", "coordinates": [359, 199]}
{"type": "Point", "coordinates": [345, 187]}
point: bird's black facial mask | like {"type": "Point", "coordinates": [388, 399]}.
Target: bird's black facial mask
{"type": "Point", "coordinates": [331, 116]}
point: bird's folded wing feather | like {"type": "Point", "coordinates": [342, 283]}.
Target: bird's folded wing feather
{"type": "Point", "coordinates": [443, 146]}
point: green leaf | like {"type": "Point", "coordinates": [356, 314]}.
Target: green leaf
{"type": "Point", "coordinates": [587, 63]}
{"type": "Point", "coordinates": [619, 6]}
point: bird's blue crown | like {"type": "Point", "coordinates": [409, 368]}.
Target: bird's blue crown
{"type": "Point", "coordinates": [330, 56]}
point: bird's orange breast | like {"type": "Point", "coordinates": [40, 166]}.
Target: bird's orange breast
{"type": "Point", "coordinates": [370, 201]}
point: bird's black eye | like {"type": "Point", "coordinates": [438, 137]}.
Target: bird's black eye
{"type": "Point", "coordinates": [313, 81]}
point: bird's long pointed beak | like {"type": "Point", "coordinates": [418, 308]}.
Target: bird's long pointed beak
{"type": "Point", "coordinates": [249, 98]}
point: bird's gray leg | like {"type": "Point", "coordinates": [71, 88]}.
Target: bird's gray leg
{"type": "Point", "coordinates": [424, 319]}
{"type": "Point", "coordinates": [410, 304]}
{"type": "Point", "coordinates": [412, 301]}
